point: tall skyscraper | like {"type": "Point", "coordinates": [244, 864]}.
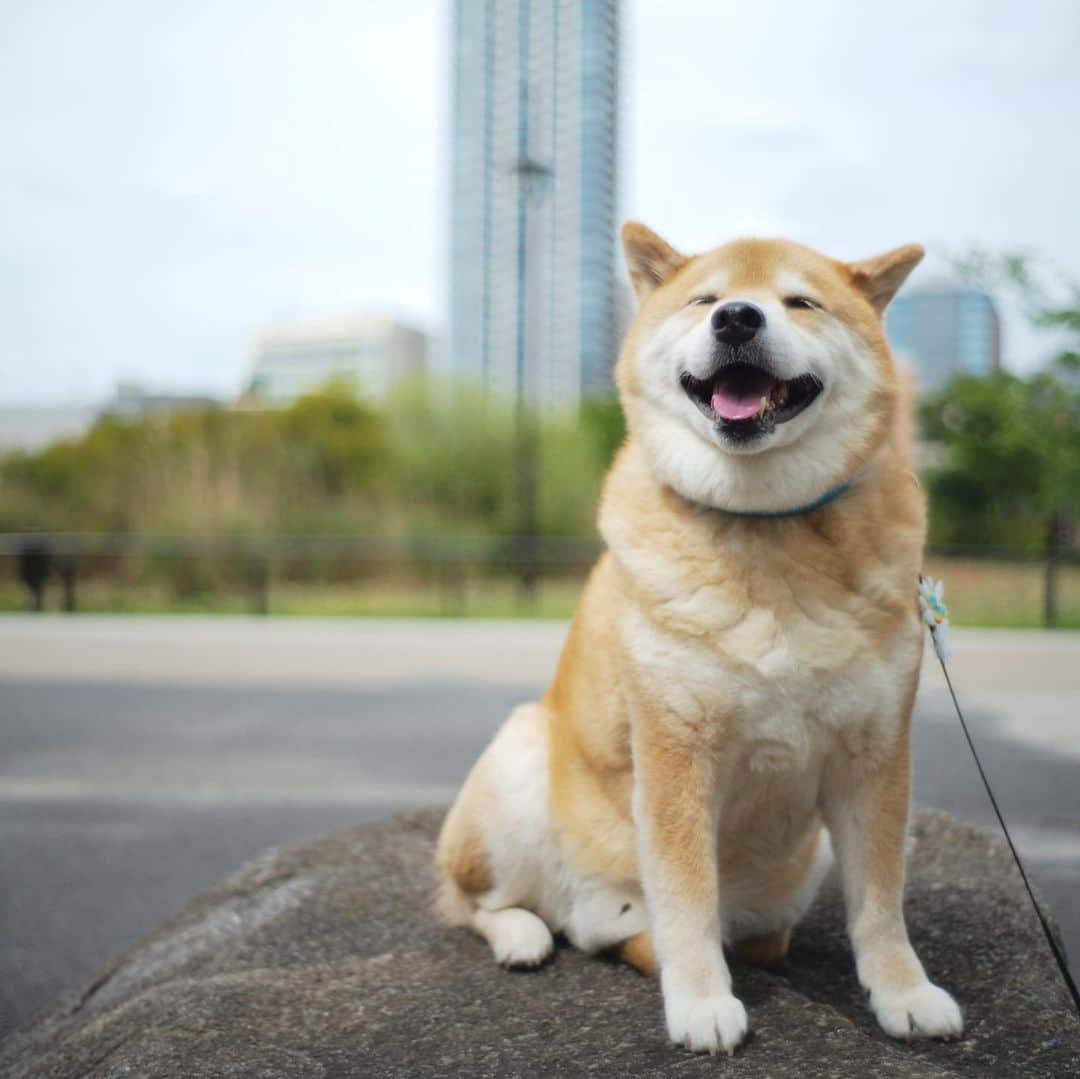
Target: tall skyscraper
{"type": "Point", "coordinates": [948, 329]}
{"type": "Point", "coordinates": [533, 285]}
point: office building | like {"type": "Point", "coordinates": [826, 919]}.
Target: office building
{"type": "Point", "coordinates": [947, 329]}
{"type": "Point", "coordinates": [371, 354]}
{"type": "Point", "coordinates": [533, 299]}
{"type": "Point", "coordinates": [134, 401]}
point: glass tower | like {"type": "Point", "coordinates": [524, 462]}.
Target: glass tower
{"type": "Point", "coordinates": [948, 330]}
{"type": "Point", "coordinates": [532, 275]}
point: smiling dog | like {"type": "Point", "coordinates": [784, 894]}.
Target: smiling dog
{"type": "Point", "coordinates": [733, 700]}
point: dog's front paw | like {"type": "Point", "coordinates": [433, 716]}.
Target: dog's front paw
{"type": "Point", "coordinates": [705, 1024]}
{"type": "Point", "coordinates": [921, 1011]}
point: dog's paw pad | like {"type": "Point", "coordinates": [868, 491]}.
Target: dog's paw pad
{"type": "Point", "coordinates": [923, 1011]}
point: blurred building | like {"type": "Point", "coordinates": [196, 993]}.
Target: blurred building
{"type": "Point", "coordinates": [295, 358]}
{"type": "Point", "coordinates": [133, 401]}
{"type": "Point", "coordinates": [33, 428]}
{"type": "Point", "coordinates": [535, 104]}
{"type": "Point", "coordinates": [947, 329]}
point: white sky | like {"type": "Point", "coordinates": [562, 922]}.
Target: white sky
{"type": "Point", "coordinates": [175, 175]}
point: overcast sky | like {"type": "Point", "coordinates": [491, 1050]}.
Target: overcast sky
{"type": "Point", "coordinates": [173, 176]}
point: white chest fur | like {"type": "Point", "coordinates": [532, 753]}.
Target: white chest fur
{"type": "Point", "coordinates": [780, 667]}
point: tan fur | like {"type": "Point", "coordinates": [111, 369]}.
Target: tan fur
{"type": "Point", "coordinates": [768, 950]}
{"type": "Point", "coordinates": [728, 685]}
{"type": "Point", "coordinates": [638, 953]}
{"type": "Point", "coordinates": [463, 867]}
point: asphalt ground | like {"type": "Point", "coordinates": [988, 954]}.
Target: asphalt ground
{"type": "Point", "coordinates": [143, 759]}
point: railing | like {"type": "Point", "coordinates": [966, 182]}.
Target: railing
{"type": "Point", "coordinates": [38, 556]}
{"type": "Point", "coordinates": [254, 566]}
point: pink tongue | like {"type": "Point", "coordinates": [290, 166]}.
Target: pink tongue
{"type": "Point", "coordinates": [739, 397]}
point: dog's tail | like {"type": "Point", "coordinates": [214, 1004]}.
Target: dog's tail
{"type": "Point", "coordinates": [453, 905]}
{"type": "Point", "coordinates": [461, 866]}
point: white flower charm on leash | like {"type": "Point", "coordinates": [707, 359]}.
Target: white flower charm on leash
{"type": "Point", "coordinates": [935, 614]}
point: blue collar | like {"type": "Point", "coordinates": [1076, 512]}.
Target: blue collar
{"type": "Point", "coordinates": [796, 511]}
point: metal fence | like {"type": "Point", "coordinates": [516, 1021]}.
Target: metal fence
{"type": "Point", "coordinates": [254, 563]}
{"type": "Point", "coordinates": [253, 566]}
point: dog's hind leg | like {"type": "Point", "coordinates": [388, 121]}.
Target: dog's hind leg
{"type": "Point", "coordinates": [495, 854]}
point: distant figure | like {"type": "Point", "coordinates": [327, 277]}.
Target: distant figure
{"type": "Point", "coordinates": [34, 567]}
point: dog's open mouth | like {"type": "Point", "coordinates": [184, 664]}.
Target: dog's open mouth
{"type": "Point", "coordinates": [746, 400]}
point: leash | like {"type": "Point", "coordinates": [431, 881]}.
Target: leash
{"type": "Point", "coordinates": [936, 616]}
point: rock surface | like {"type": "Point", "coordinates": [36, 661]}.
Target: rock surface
{"type": "Point", "coordinates": [325, 961]}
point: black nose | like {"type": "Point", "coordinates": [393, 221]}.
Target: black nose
{"type": "Point", "coordinates": [737, 322]}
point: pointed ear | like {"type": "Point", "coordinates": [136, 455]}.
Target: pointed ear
{"type": "Point", "coordinates": [651, 260]}
{"type": "Point", "coordinates": [879, 279]}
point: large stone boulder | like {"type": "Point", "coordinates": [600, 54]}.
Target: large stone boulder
{"type": "Point", "coordinates": [325, 960]}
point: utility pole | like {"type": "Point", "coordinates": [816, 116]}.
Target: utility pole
{"type": "Point", "coordinates": [533, 182]}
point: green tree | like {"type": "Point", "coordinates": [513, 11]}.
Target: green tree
{"type": "Point", "coordinates": [451, 448]}
{"type": "Point", "coordinates": [1011, 466]}
{"type": "Point", "coordinates": [1010, 474]}
{"type": "Point", "coordinates": [603, 421]}
{"type": "Point", "coordinates": [319, 465]}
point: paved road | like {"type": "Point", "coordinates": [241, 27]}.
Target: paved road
{"type": "Point", "coordinates": [142, 759]}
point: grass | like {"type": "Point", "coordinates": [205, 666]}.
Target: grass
{"type": "Point", "coordinates": [979, 593]}
{"type": "Point", "coordinates": [1004, 594]}
{"type": "Point", "coordinates": [553, 598]}
{"type": "Point", "coordinates": [478, 598]}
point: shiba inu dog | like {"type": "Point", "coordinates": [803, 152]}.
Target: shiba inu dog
{"type": "Point", "coordinates": [733, 699]}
